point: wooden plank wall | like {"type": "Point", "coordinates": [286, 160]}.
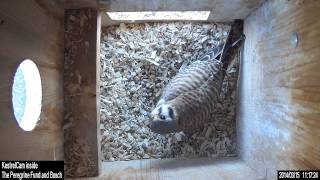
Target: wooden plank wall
{"type": "Point", "coordinates": [220, 10]}
{"type": "Point", "coordinates": [226, 168]}
{"type": "Point", "coordinates": [28, 31]}
{"type": "Point", "coordinates": [82, 42]}
{"type": "Point", "coordinates": [279, 117]}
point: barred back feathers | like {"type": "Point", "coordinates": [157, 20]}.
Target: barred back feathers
{"type": "Point", "coordinates": [190, 97]}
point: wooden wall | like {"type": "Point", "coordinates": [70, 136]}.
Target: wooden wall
{"type": "Point", "coordinates": [29, 31]}
{"type": "Point", "coordinates": [178, 169]}
{"type": "Point", "coordinates": [221, 10]}
{"type": "Point", "coordinates": [279, 117]}
{"type": "Point", "coordinates": [81, 90]}
{"type": "Point", "coordinates": [279, 106]}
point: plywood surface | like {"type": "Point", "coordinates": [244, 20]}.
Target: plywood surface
{"type": "Point", "coordinates": [221, 10]}
{"type": "Point", "coordinates": [280, 100]}
{"type": "Point", "coordinates": [28, 31]}
{"type": "Point", "coordinates": [81, 143]}
{"type": "Point", "coordinates": [184, 169]}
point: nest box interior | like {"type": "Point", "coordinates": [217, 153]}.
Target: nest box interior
{"type": "Point", "coordinates": [75, 47]}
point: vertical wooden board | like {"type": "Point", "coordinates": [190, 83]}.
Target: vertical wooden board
{"type": "Point", "coordinates": [98, 43]}
{"type": "Point", "coordinates": [80, 78]}
{"type": "Point", "coordinates": [279, 101]}
{"type": "Point", "coordinates": [28, 31]}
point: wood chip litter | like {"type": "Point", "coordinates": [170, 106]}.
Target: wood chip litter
{"type": "Point", "coordinates": [137, 61]}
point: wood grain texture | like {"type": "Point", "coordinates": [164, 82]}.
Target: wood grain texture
{"type": "Point", "coordinates": [27, 31]}
{"type": "Point", "coordinates": [279, 100]}
{"type": "Point", "coordinates": [82, 34]}
{"type": "Point", "coordinates": [220, 10]}
{"type": "Point", "coordinates": [177, 169]}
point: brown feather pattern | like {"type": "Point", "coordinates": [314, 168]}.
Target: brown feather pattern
{"type": "Point", "coordinates": [193, 93]}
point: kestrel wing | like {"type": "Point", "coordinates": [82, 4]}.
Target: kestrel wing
{"type": "Point", "coordinates": [191, 78]}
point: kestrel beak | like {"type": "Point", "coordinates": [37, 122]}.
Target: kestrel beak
{"type": "Point", "coordinates": [162, 127]}
{"type": "Point", "coordinates": [154, 115]}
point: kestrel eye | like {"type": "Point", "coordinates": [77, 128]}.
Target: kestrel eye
{"type": "Point", "coordinates": [162, 117]}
